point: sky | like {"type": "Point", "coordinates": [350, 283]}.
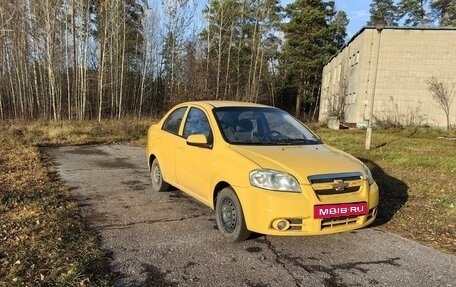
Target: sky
{"type": "Point", "coordinates": [357, 12]}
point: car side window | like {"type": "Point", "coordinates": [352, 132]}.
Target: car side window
{"type": "Point", "coordinates": [197, 123]}
{"type": "Point", "coordinates": [173, 121]}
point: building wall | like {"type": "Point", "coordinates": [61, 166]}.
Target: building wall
{"type": "Point", "coordinates": [408, 58]}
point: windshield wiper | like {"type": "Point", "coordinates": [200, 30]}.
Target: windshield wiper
{"type": "Point", "coordinates": [291, 141]}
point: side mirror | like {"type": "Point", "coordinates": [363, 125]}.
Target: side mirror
{"type": "Point", "coordinates": [198, 140]}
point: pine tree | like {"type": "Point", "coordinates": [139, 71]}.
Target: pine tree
{"type": "Point", "coordinates": [339, 24]}
{"type": "Point", "coordinates": [414, 12]}
{"type": "Point", "coordinates": [384, 9]}
{"type": "Point", "coordinates": [309, 37]}
{"type": "Point", "coordinates": [444, 11]}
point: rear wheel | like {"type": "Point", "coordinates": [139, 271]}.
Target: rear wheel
{"type": "Point", "coordinates": [229, 215]}
{"type": "Point", "coordinates": [158, 184]}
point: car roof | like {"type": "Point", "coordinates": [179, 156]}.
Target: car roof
{"type": "Point", "coordinates": [221, 104]}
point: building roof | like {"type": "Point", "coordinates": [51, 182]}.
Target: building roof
{"type": "Point", "coordinates": [388, 28]}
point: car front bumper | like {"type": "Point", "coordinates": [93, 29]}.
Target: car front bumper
{"type": "Point", "coordinates": [263, 209]}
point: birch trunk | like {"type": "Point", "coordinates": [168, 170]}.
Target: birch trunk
{"type": "Point", "coordinates": [206, 81]}
{"type": "Point", "coordinates": [228, 60]}
{"type": "Point", "coordinates": [68, 70]}
{"type": "Point", "coordinates": [122, 69]}
{"type": "Point", "coordinates": [75, 89]}
{"type": "Point", "coordinates": [102, 58]}
{"type": "Point", "coordinates": [219, 54]}
{"type": "Point", "coordinates": [250, 79]}
{"type": "Point", "coordinates": [50, 71]}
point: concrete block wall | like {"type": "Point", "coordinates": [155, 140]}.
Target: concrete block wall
{"type": "Point", "coordinates": [408, 58]}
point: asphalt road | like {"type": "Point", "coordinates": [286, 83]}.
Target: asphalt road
{"type": "Point", "coordinates": [168, 239]}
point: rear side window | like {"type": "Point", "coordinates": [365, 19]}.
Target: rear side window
{"type": "Point", "coordinates": [173, 121]}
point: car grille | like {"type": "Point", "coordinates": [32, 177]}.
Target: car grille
{"type": "Point", "coordinates": [295, 224]}
{"type": "Point", "coordinates": [333, 222]}
{"type": "Point", "coordinates": [325, 178]}
{"type": "Point", "coordinates": [333, 191]}
{"type": "Point", "coordinates": [336, 183]}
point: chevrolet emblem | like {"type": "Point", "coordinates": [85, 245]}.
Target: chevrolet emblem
{"type": "Point", "coordinates": [339, 185]}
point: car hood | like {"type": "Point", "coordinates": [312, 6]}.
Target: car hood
{"type": "Point", "coordinates": [301, 161]}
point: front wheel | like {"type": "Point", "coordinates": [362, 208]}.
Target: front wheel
{"type": "Point", "coordinates": [158, 184]}
{"type": "Point", "coordinates": [229, 215]}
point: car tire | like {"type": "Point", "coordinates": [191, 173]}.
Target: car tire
{"type": "Point", "coordinates": [158, 184]}
{"type": "Point", "coordinates": [229, 215]}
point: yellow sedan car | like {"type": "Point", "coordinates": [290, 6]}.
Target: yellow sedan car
{"type": "Point", "coordinates": [261, 170]}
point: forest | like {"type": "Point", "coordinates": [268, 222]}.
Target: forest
{"type": "Point", "coordinates": [108, 59]}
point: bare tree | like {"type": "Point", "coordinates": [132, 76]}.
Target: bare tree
{"type": "Point", "coordinates": [338, 101]}
{"type": "Point", "coordinates": [221, 24]}
{"type": "Point", "coordinates": [95, 59]}
{"type": "Point", "coordinates": [443, 95]}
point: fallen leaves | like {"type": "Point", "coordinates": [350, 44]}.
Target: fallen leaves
{"type": "Point", "coordinates": [41, 236]}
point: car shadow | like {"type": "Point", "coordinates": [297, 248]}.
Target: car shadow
{"type": "Point", "coordinates": [393, 193]}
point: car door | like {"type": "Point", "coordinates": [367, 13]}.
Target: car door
{"type": "Point", "coordinates": [194, 164]}
{"type": "Point", "coordinates": [168, 142]}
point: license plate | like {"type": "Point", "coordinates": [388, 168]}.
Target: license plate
{"type": "Point", "coordinates": [340, 210]}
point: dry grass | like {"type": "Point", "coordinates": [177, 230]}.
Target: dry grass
{"type": "Point", "coordinates": [43, 240]}
{"type": "Point", "coordinates": [80, 132]}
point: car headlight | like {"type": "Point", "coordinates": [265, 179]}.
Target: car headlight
{"type": "Point", "coordinates": [274, 180]}
{"type": "Point", "coordinates": [370, 178]}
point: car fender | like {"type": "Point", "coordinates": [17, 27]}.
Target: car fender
{"type": "Point", "coordinates": [237, 177]}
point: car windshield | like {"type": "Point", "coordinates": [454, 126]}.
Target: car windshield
{"type": "Point", "coordinates": [262, 126]}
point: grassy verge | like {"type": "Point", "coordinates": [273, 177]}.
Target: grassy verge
{"type": "Point", "coordinates": [44, 243]}
{"type": "Point", "coordinates": [43, 240]}
{"type": "Point", "coordinates": [416, 172]}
